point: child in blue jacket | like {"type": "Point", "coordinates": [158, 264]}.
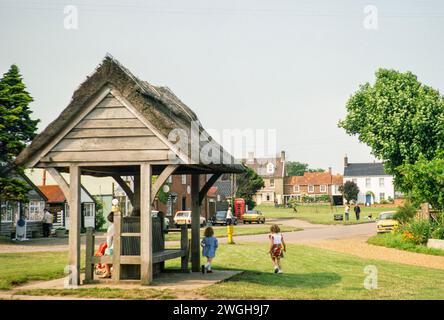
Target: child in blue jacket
{"type": "Point", "coordinates": [209, 245]}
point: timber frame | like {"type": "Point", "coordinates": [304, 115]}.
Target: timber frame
{"type": "Point", "coordinates": [117, 125]}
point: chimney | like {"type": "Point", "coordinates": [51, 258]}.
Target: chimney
{"type": "Point", "coordinates": [283, 156]}
{"type": "Point", "coordinates": [329, 170]}
{"type": "Point", "coordinates": [250, 158]}
{"type": "Point", "coordinates": [345, 161]}
{"type": "Point", "coordinates": [44, 178]}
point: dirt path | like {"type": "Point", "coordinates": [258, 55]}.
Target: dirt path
{"type": "Point", "coordinates": [359, 247]}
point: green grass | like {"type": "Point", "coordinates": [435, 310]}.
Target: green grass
{"type": "Point", "coordinates": [394, 240]}
{"type": "Point", "coordinates": [320, 214]}
{"type": "Point", "coordinates": [105, 293]}
{"type": "Point", "coordinates": [239, 230]}
{"type": "Point", "coordinates": [311, 273]}
{"type": "Point", "coordinates": [18, 268]}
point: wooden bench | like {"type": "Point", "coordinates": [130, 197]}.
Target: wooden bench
{"type": "Point", "coordinates": [126, 258]}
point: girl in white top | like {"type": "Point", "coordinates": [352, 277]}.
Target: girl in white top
{"type": "Point", "coordinates": [277, 246]}
{"type": "Point", "coordinates": [109, 244]}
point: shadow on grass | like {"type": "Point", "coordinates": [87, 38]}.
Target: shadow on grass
{"type": "Point", "coordinates": [288, 280]}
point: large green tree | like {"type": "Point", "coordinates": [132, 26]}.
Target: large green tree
{"type": "Point", "coordinates": [399, 118]}
{"type": "Point", "coordinates": [425, 181]}
{"type": "Point", "coordinates": [248, 184]}
{"type": "Point", "coordinates": [17, 128]}
{"type": "Point", "coordinates": [349, 190]}
{"type": "Point", "coordinates": [295, 168]}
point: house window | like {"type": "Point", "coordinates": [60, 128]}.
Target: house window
{"type": "Point", "coordinates": [268, 197]}
{"type": "Point", "coordinates": [381, 196]}
{"type": "Point", "coordinates": [297, 188]}
{"type": "Point", "coordinates": [7, 211]}
{"type": "Point", "coordinates": [368, 182]}
{"type": "Point", "coordinates": [88, 209]}
{"type": "Point", "coordinates": [323, 188]}
{"type": "Point", "coordinates": [336, 189]}
{"type": "Point", "coordinates": [270, 168]}
{"type": "Point", "coordinates": [311, 188]}
{"type": "Point", "coordinates": [272, 183]}
{"type": "Point", "coordinates": [381, 182]}
{"type": "Point", "coordinates": [184, 179]}
{"type": "Point", "coordinates": [35, 210]}
{"type": "Point", "coordinates": [170, 179]}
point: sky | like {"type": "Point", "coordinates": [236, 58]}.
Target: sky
{"type": "Point", "coordinates": [288, 66]}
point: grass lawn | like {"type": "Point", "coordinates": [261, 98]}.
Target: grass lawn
{"type": "Point", "coordinates": [18, 268]}
{"type": "Point", "coordinates": [320, 214]}
{"type": "Point", "coordinates": [239, 230]}
{"type": "Point", "coordinates": [309, 273]}
{"type": "Point", "coordinates": [394, 240]}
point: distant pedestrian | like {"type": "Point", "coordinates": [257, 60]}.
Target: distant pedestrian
{"type": "Point", "coordinates": [357, 210]}
{"type": "Point", "coordinates": [229, 216]}
{"type": "Point", "coordinates": [347, 211]}
{"type": "Point", "coordinates": [47, 221]}
{"type": "Point", "coordinates": [277, 246]}
{"type": "Point", "coordinates": [209, 246]}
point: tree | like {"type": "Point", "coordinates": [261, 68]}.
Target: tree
{"type": "Point", "coordinates": [425, 181]}
{"type": "Point", "coordinates": [16, 130]}
{"type": "Point", "coordinates": [295, 168]}
{"type": "Point", "coordinates": [248, 184]}
{"type": "Point", "coordinates": [349, 190]}
{"type": "Point", "coordinates": [399, 118]}
{"type": "Point", "coordinates": [100, 217]}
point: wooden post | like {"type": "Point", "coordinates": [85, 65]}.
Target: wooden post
{"type": "Point", "coordinates": [116, 246]}
{"type": "Point", "coordinates": [136, 202]}
{"type": "Point", "coordinates": [184, 245]}
{"type": "Point", "coordinates": [146, 246]}
{"type": "Point", "coordinates": [195, 223]}
{"type": "Point", "coordinates": [89, 264]}
{"type": "Point", "coordinates": [74, 225]}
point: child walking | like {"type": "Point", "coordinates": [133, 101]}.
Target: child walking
{"type": "Point", "coordinates": [209, 245]}
{"type": "Point", "coordinates": [277, 246]}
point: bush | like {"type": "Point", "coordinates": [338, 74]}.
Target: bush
{"type": "Point", "coordinates": [438, 233]}
{"type": "Point", "coordinates": [405, 213]}
{"type": "Point", "coordinates": [417, 232]}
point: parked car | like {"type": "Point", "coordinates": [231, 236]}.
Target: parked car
{"type": "Point", "coordinates": [253, 216]}
{"type": "Point", "coordinates": [221, 218]}
{"type": "Point", "coordinates": [386, 223]}
{"type": "Point", "coordinates": [166, 221]}
{"type": "Point", "coordinates": [184, 217]}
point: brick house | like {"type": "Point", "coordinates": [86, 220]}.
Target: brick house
{"type": "Point", "coordinates": [313, 184]}
{"type": "Point", "coordinates": [272, 170]}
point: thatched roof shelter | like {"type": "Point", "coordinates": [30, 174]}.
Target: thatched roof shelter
{"type": "Point", "coordinates": [118, 125]}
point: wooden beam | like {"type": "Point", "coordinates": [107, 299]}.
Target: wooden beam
{"type": "Point", "coordinates": [116, 246]}
{"type": "Point", "coordinates": [125, 187]}
{"type": "Point", "coordinates": [89, 265]}
{"type": "Point", "coordinates": [161, 179]}
{"type": "Point", "coordinates": [136, 197]}
{"type": "Point", "coordinates": [207, 186]}
{"type": "Point", "coordinates": [64, 186]}
{"type": "Point", "coordinates": [146, 246]}
{"type": "Point", "coordinates": [195, 223]}
{"type": "Point", "coordinates": [74, 225]}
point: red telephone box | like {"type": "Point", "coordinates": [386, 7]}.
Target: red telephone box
{"type": "Point", "coordinates": [239, 207]}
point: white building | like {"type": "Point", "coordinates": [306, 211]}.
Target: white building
{"type": "Point", "coordinates": [374, 183]}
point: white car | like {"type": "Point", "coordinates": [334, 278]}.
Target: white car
{"type": "Point", "coordinates": [184, 217]}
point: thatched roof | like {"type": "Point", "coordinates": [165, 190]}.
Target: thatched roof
{"type": "Point", "coordinates": [158, 105]}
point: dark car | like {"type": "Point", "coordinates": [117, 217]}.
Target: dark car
{"type": "Point", "coordinates": [221, 218]}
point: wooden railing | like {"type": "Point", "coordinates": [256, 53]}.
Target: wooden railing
{"type": "Point", "coordinates": [126, 247]}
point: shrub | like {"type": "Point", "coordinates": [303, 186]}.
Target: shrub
{"type": "Point", "coordinates": [405, 213]}
{"type": "Point", "coordinates": [438, 233]}
{"type": "Point", "coordinates": [417, 231]}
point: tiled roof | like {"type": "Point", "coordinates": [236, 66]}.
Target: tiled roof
{"type": "Point", "coordinates": [314, 178]}
{"type": "Point", "coordinates": [53, 193]}
{"type": "Point", "coordinates": [364, 169]}
{"type": "Point", "coordinates": [223, 188]}
{"type": "Point", "coordinates": [260, 166]}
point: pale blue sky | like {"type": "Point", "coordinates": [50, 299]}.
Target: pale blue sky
{"type": "Point", "coordinates": [284, 65]}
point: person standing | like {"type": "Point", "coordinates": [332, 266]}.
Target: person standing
{"type": "Point", "coordinates": [109, 244]}
{"type": "Point", "coordinates": [347, 211]}
{"type": "Point", "coordinates": [47, 222]}
{"type": "Point", "coordinates": [209, 246]}
{"type": "Point", "coordinates": [357, 210]}
{"type": "Point", "coordinates": [277, 246]}
{"type": "Point", "coordinates": [229, 216]}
